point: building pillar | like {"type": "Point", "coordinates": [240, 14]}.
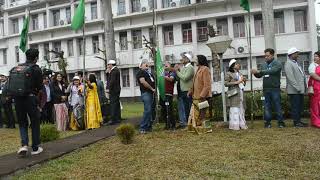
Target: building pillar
{"type": "Point", "coordinates": [230, 27]}
{"type": "Point", "coordinates": [312, 28]}
{"type": "Point", "coordinates": [99, 5]}
{"type": "Point", "coordinates": [194, 38]}
{"type": "Point", "coordinates": [5, 24]}
{"type": "Point", "coordinates": [130, 47]}
{"type": "Point", "coordinates": [159, 4]}
{"type": "Point", "coordinates": [49, 15]}
{"type": "Point", "coordinates": [128, 6]}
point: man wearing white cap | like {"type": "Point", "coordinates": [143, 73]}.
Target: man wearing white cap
{"type": "Point", "coordinates": [113, 84]}
{"type": "Point", "coordinates": [296, 86]}
{"type": "Point", "coordinates": [185, 75]}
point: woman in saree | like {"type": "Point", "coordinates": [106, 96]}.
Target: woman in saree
{"type": "Point", "coordinates": [93, 110]}
{"type": "Point", "coordinates": [200, 92]}
{"type": "Point", "coordinates": [235, 82]}
{"type": "Point", "coordinates": [314, 84]}
{"type": "Point", "coordinates": [60, 99]}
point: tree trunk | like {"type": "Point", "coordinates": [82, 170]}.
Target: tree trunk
{"type": "Point", "coordinates": [109, 31]}
{"type": "Point", "coordinates": [268, 23]}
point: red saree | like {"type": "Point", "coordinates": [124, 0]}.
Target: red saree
{"type": "Point", "coordinates": [315, 100]}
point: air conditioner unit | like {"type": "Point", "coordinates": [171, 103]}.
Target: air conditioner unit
{"type": "Point", "coordinates": [241, 49]}
{"type": "Point", "coordinates": [143, 9]}
{"type": "Point", "coordinates": [61, 22]}
{"type": "Point", "coordinates": [173, 4]}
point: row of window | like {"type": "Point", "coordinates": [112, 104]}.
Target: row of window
{"type": "Point", "coordinates": [57, 18]}
{"type": "Point", "coordinates": [56, 46]}
{"type": "Point", "coordinates": [222, 28]}
{"type": "Point", "coordinates": [137, 7]}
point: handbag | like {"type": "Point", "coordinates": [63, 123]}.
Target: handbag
{"type": "Point", "coordinates": [232, 92]}
{"type": "Point", "coordinates": [203, 105]}
{"type": "Point", "coordinates": [310, 90]}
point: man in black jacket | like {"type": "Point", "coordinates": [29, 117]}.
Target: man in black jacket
{"type": "Point", "coordinates": [113, 84]}
{"type": "Point", "coordinates": [29, 105]}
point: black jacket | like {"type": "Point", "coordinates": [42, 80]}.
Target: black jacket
{"type": "Point", "coordinates": [57, 93]}
{"type": "Point", "coordinates": [114, 81]}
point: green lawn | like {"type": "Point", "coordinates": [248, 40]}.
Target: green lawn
{"type": "Point", "coordinates": [257, 153]}
{"type": "Point", "coordinates": [131, 110]}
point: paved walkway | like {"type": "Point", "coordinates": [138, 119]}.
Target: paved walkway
{"type": "Point", "coordinates": [10, 163]}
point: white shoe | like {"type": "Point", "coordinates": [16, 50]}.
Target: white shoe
{"type": "Point", "coordinates": [40, 149]}
{"type": "Point", "coordinates": [23, 151]}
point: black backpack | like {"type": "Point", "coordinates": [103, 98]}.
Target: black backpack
{"type": "Point", "coordinates": [20, 80]}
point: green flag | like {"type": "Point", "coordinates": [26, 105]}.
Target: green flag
{"type": "Point", "coordinates": [24, 34]}
{"type": "Point", "coordinates": [245, 5]}
{"type": "Point", "coordinates": [78, 18]}
{"type": "Point", "coordinates": [160, 77]}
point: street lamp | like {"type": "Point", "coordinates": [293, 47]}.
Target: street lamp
{"type": "Point", "coordinates": [219, 45]}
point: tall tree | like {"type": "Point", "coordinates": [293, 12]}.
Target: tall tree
{"type": "Point", "coordinates": [109, 31]}
{"type": "Point", "coordinates": [268, 23]}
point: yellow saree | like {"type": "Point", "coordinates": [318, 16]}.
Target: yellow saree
{"type": "Point", "coordinates": [93, 110]}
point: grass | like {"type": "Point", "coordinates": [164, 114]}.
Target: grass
{"type": "Point", "coordinates": [131, 110]}
{"type": "Point", "coordinates": [10, 138]}
{"type": "Point", "coordinates": [257, 153]}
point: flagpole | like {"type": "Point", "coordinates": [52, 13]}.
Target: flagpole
{"type": "Point", "coordinates": [28, 16]}
{"type": "Point", "coordinates": [250, 57]}
{"type": "Point", "coordinates": [155, 61]}
{"type": "Point", "coordinates": [84, 69]}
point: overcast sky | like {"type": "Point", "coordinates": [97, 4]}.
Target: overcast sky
{"type": "Point", "coordinates": [318, 11]}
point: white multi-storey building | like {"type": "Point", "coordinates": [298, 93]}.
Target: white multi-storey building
{"type": "Point", "coordinates": [182, 27]}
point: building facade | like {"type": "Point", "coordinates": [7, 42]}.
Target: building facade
{"type": "Point", "coordinates": [181, 27]}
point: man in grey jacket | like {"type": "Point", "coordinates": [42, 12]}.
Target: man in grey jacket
{"type": "Point", "coordinates": [296, 86]}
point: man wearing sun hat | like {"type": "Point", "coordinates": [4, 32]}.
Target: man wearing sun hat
{"type": "Point", "coordinates": [113, 84]}
{"type": "Point", "coordinates": [296, 86]}
{"type": "Point", "coordinates": [185, 75]}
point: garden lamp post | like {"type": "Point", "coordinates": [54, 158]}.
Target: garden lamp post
{"type": "Point", "coordinates": [218, 45]}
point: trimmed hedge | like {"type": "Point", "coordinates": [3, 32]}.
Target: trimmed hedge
{"type": "Point", "coordinates": [257, 107]}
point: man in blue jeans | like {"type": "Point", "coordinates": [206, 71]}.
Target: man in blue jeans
{"type": "Point", "coordinates": [147, 88]}
{"type": "Point", "coordinates": [271, 73]}
{"type": "Point", "coordinates": [28, 105]}
{"type": "Point", "coordinates": [185, 75]}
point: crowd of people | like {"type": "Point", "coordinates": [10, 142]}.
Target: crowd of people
{"type": "Point", "coordinates": [193, 82]}
{"type": "Point", "coordinates": [53, 100]}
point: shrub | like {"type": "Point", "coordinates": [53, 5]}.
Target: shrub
{"type": "Point", "coordinates": [48, 132]}
{"type": "Point", "coordinates": [125, 132]}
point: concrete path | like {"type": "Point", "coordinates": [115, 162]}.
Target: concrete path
{"type": "Point", "coordinates": [10, 163]}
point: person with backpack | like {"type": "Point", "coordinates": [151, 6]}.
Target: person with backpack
{"type": "Point", "coordinates": [25, 82]}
